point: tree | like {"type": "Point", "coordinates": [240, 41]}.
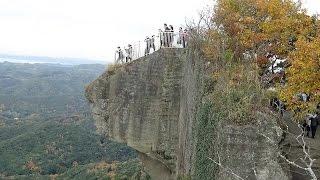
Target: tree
{"type": "Point", "coordinates": [303, 75]}
{"type": "Point", "coordinates": [280, 27]}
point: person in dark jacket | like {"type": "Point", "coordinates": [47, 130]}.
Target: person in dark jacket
{"type": "Point", "coordinates": [171, 35]}
{"type": "Point", "coordinates": [148, 45]}
{"type": "Point", "coordinates": [306, 126]}
{"type": "Point", "coordinates": [314, 125]}
{"type": "Point", "coordinates": [152, 41]}
{"type": "Point", "coordinates": [166, 35]}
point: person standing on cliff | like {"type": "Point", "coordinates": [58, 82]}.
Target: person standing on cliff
{"type": "Point", "coordinates": [314, 124]}
{"type": "Point", "coordinates": [171, 36]}
{"type": "Point", "coordinates": [119, 56]}
{"type": "Point", "coordinates": [179, 41]}
{"type": "Point", "coordinates": [161, 37]}
{"type": "Point", "coordinates": [185, 38]}
{"type": "Point", "coordinates": [166, 35]}
{"type": "Point", "coordinates": [148, 45]}
{"type": "Point", "coordinates": [128, 53]}
{"type": "Point", "coordinates": [152, 45]}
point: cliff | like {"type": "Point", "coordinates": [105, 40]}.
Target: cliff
{"type": "Point", "coordinates": [158, 106]}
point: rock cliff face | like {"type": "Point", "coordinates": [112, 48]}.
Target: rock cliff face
{"type": "Point", "coordinates": [140, 106]}
{"type": "Point", "coordinates": [157, 106]}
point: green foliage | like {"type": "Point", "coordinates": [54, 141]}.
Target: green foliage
{"type": "Point", "coordinates": [103, 170]}
{"type": "Point", "coordinates": [235, 98]}
{"type": "Point", "coordinates": [55, 146]}
{"type": "Point", "coordinates": [228, 55]}
{"type": "Point", "coordinates": [131, 169]}
{"type": "Point", "coordinates": [237, 94]}
{"type": "Point", "coordinates": [183, 177]}
{"type": "Point", "coordinates": [204, 167]}
{"type": "Point", "coordinates": [46, 122]}
{"type": "Point", "coordinates": [46, 89]}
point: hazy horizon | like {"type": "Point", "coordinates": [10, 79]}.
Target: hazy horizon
{"type": "Point", "coordinates": [48, 60]}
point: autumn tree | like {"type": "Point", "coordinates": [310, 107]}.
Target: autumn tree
{"type": "Point", "coordinates": [280, 27]}
{"type": "Point", "coordinates": [251, 25]}
{"type": "Point", "coordinates": [303, 75]}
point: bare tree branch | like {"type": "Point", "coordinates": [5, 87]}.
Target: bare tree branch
{"type": "Point", "coordinates": [226, 169]}
{"type": "Point", "coordinates": [308, 161]}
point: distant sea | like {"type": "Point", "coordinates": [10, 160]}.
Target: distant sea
{"type": "Point", "coordinates": [48, 60]}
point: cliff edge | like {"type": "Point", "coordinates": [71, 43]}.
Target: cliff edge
{"type": "Point", "coordinates": [157, 105]}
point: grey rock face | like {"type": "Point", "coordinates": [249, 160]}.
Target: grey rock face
{"type": "Point", "coordinates": [251, 151]}
{"type": "Point", "coordinates": [151, 105]}
{"type": "Point", "coordinates": [140, 105]}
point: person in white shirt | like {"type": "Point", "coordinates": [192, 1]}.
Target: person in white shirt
{"type": "Point", "coordinates": [119, 55]}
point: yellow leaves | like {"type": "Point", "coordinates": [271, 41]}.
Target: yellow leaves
{"type": "Point", "coordinates": [281, 27]}
{"type": "Point", "coordinates": [214, 46]}
{"type": "Point", "coordinates": [253, 22]}
{"type": "Point", "coordinates": [303, 75]}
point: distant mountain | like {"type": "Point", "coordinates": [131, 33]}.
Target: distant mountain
{"type": "Point", "coordinates": [52, 60]}
{"type": "Point", "coordinates": [46, 127]}
{"type": "Point", "coordinates": [48, 89]}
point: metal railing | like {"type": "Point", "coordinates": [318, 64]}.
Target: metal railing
{"type": "Point", "coordinates": [148, 46]}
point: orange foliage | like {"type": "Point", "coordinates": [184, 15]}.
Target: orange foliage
{"type": "Point", "coordinates": [278, 26]}
{"type": "Point", "coordinates": [252, 23]}
{"type": "Point", "coordinates": [303, 75]}
{"type": "Point", "coordinates": [262, 61]}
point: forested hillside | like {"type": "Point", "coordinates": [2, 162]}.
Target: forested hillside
{"type": "Point", "coordinates": [45, 89]}
{"type": "Point", "coordinates": [45, 123]}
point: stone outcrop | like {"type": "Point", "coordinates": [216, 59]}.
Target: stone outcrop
{"type": "Point", "coordinates": [154, 105]}
{"type": "Point", "coordinates": [140, 106]}
{"type": "Point", "coordinates": [251, 151]}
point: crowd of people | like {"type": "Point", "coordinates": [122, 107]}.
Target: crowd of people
{"type": "Point", "coordinates": [166, 39]}
{"type": "Point", "coordinates": [121, 57]}
{"type": "Point", "coordinates": [167, 36]}
{"type": "Point", "coordinates": [150, 44]}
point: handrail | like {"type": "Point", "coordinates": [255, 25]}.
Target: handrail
{"type": "Point", "coordinates": [151, 45]}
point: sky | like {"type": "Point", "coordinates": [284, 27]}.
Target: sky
{"type": "Point", "coordinates": [90, 29]}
